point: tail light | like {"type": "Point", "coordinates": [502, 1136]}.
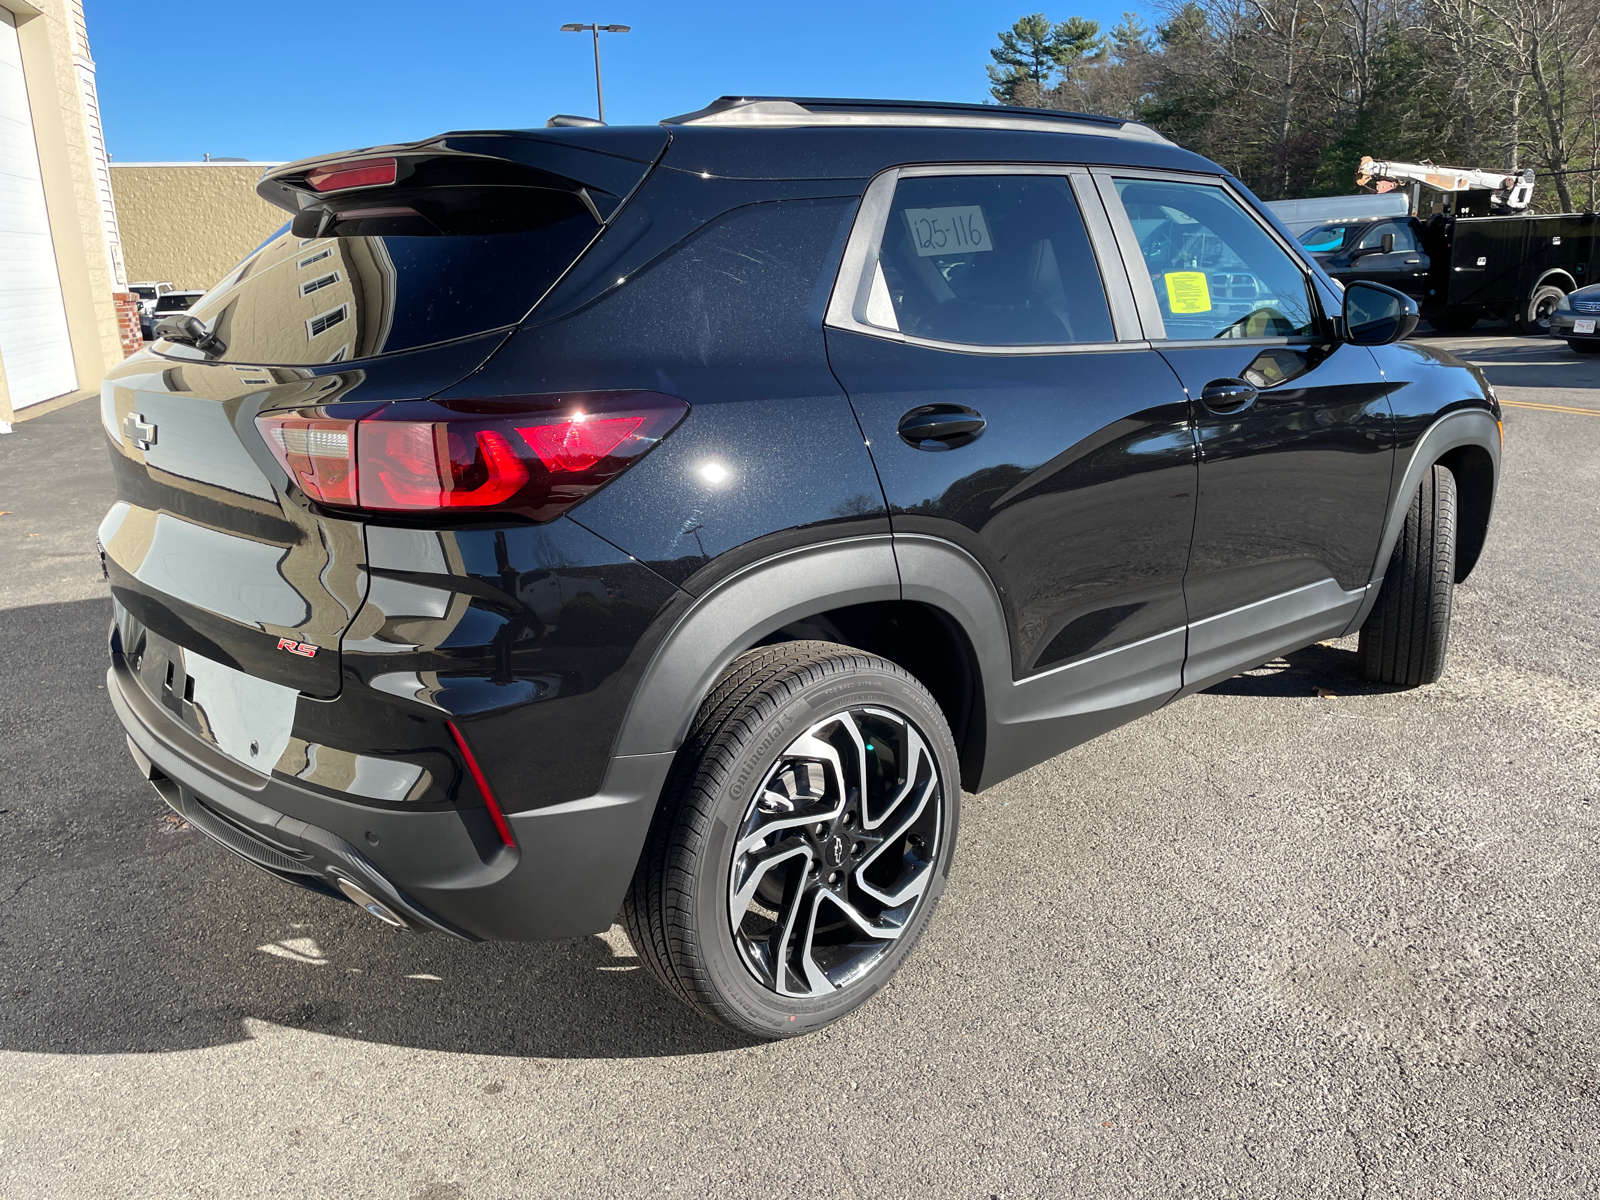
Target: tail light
{"type": "Point", "coordinates": [535, 456]}
{"type": "Point", "coordinates": [318, 453]}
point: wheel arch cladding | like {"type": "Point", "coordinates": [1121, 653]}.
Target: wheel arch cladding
{"type": "Point", "coordinates": [1474, 470]}
{"type": "Point", "coordinates": [929, 644]}
{"type": "Point", "coordinates": [845, 590]}
{"type": "Point", "coordinates": [1470, 438]}
{"type": "Point", "coordinates": [737, 614]}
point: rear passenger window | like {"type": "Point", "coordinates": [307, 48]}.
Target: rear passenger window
{"type": "Point", "coordinates": [1216, 272]}
{"type": "Point", "coordinates": [988, 260]}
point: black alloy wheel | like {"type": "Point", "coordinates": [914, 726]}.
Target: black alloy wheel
{"type": "Point", "coordinates": [803, 840]}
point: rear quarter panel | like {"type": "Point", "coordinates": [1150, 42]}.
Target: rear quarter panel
{"type": "Point", "coordinates": [729, 319]}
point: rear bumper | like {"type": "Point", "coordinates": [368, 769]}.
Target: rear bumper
{"type": "Point", "coordinates": [441, 870]}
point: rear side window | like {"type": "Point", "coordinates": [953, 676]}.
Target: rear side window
{"type": "Point", "coordinates": [1216, 272]}
{"type": "Point", "coordinates": [988, 260]}
{"type": "Point", "coordinates": [394, 286]}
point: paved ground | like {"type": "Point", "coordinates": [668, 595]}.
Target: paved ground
{"type": "Point", "coordinates": [1262, 944]}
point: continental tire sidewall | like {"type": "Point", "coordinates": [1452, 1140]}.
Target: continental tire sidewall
{"type": "Point", "coordinates": [745, 1000]}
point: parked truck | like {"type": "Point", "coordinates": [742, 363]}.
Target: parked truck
{"type": "Point", "coordinates": [1466, 249]}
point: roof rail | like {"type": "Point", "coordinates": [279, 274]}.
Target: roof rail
{"type": "Point", "coordinates": [792, 112]}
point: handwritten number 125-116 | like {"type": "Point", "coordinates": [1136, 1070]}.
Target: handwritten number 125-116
{"type": "Point", "coordinates": [948, 230]}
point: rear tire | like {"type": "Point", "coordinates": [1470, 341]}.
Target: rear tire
{"type": "Point", "coordinates": [1532, 316]}
{"type": "Point", "coordinates": [803, 840]}
{"type": "Point", "coordinates": [1404, 638]}
{"type": "Point", "coordinates": [1584, 347]}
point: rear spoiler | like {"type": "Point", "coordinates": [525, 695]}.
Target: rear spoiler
{"type": "Point", "coordinates": [462, 182]}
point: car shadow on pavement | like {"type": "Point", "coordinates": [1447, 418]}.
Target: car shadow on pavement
{"type": "Point", "coordinates": [124, 931]}
{"type": "Point", "coordinates": [1332, 669]}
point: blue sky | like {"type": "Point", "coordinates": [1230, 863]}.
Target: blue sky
{"type": "Point", "coordinates": [272, 81]}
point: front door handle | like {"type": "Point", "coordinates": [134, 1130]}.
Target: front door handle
{"type": "Point", "coordinates": [1228, 395]}
{"type": "Point", "coordinates": [939, 426]}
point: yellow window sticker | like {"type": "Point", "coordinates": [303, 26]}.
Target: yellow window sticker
{"type": "Point", "coordinates": [1187, 292]}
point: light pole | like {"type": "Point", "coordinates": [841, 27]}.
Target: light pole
{"type": "Point", "coordinates": [597, 30]}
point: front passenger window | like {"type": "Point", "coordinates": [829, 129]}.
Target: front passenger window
{"type": "Point", "coordinates": [1404, 239]}
{"type": "Point", "coordinates": [1216, 272]}
{"type": "Point", "coordinates": [989, 260]}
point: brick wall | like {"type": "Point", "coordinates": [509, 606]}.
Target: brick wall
{"type": "Point", "coordinates": [128, 321]}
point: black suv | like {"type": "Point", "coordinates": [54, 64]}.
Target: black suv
{"type": "Point", "coordinates": [676, 519]}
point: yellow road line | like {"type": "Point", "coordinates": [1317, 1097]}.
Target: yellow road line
{"type": "Point", "coordinates": [1561, 408]}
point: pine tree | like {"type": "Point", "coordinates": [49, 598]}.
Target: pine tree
{"type": "Point", "coordinates": [1033, 50]}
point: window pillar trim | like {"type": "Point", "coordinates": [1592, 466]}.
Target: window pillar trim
{"type": "Point", "coordinates": [853, 285]}
{"type": "Point", "coordinates": [1133, 257]}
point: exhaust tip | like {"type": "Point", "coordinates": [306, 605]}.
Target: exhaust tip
{"type": "Point", "coordinates": [373, 905]}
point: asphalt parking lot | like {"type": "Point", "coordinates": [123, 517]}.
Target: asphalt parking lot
{"type": "Point", "coordinates": [1264, 943]}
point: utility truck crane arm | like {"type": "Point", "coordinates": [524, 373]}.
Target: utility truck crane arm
{"type": "Point", "coordinates": [1512, 193]}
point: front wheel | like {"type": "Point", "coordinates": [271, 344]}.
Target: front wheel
{"type": "Point", "coordinates": [1404, 638]}
{"type": "Point", "coordinates": [803, 840]}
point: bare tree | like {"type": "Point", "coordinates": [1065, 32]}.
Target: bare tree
{"type": "Point", "coordinates": [1289, 93]}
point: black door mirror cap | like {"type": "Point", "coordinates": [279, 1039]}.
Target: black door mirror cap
{"type": "Point", "coordinates": [1375, 315]}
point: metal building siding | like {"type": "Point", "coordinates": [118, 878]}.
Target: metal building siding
{"type": "Point", "coordinates": [34, 342]}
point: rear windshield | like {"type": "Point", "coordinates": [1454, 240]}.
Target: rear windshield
{"type": "Point", "coordinates": [173, 302]}
{"type": "Point", "coordinates": [144, 293]}
{"type": "Point", "coordinates": [387, 283]}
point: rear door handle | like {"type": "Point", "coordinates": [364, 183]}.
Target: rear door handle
{"type": "Point", "coordinates": [1228, 395]}
{"type": "Point", "coordinates": [939, 426]}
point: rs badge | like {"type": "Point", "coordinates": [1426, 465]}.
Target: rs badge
{"type": "Point", "coordinates": [303, 649]}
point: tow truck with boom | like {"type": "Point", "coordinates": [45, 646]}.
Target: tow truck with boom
{"type": "Point", "coordinates": [1467, 248]}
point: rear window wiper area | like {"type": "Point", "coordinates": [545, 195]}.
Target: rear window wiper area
{"type": "Point", "coordinates": [402, 247]}
{"type": "Point", "coordinates": [456, 210]}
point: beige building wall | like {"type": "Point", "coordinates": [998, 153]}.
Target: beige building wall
{"type": "Point", "coordinates": [50, 40]}
{"type": "Point", "coordinates": [190, 223]}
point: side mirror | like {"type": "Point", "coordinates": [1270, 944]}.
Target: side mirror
{"type": "Point", "coordinates": [190, 331]}
{"type": "Point", "coordinates": [1375, 315]}
{"type": "Point", "coordinates": [1385, 246]}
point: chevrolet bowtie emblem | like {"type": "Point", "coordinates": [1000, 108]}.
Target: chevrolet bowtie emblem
{"type": "Point", "coordinates": [140, 432]}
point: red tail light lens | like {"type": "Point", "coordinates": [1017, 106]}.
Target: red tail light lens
{"type": "Point", "coordinates": [579, 444]}
{"type": "Point", "coordinates": [363, 172]}
{"type": "Point", "coordinates": [535, 456]}
{"type": "Point", "coordinates": [426, 464]}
